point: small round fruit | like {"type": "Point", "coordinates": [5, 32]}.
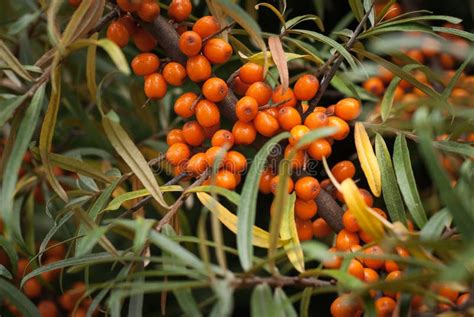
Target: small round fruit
{"type": "Point", "coordinates": [174, 74]}
{"type": "Point", "coordinates": [274, 184]}
{"type": "Point", "coordinates": [155, 86]}
{"type": "Point", "coordinates": [345, 306]}
{"type": "Point", "coordinates": [304, 229]}
{"type": "Point", "coordinates": [307, 188]}
{"type": "Point", "coordinates": [246, 109]}
{"type": "Point", "coordinates": [297, 132]}
{"type": "Point", "coordinates": [197, 164]}
{"type": "Point", "coordinates": [235, 162]}
{"type": "Point", "coordinates": [213, 152]}
{"type": "Point", "coordinates": [342, 128]}
{"type": "Point", "coordinates": [198, 68]}
{"type": "Point", "coordinates": [193, 133]}
{"type": "Point", "coordinates": [145, 64]}
{"type": "Point", "coordinates": [288, 117]}
{"type": "Point", "coordinates": [244, 132]}
{"type": "Point", "coordinates": [215, 89]}
{"type": "Point", "coordinates": [356, 269]}
{"type": "Point", "coordinates": [321, 229]}
{"type": "Point", "coordinates": [206, 26]}
{"type": "Point", "coordinates": [223, 138]}
{"type": "Point", "coordinates": [306, 87]}
{"type": "Point", "coordinates": [319, 148]}
{"type": "Point", "coordinates": [372, 263]}
{"type": "Point", "coordinates": [144, 41]}
{"type": "Point", "coordinates": [148, 11]}
{"type": "Point", "coordinates": [265, 186]}
{"type": "Point", "coordinates": [184, 105]}
{"type": "Point", "coordinates": [129, 5]}
{"type": "Point", "coordinates": [190, 43]}
{"type": "Point", "coordinates": [178, 153]}
{"type": "Point", "coordinates": [217, 51]}
{"type": "Point", "coordinates": [385, 306]}
{"type": "Point", "coordinates": [117, 33]}
{"type": "Point", "coordinates": [348, 109]}
{"type": "Point", "coordinates": [48, 308]}
{"type": "Point", "coordinates": [260, 91]}
{"type": "Point", "coordinates": [32, 288]}
{"type": "Point", "coordinates": [374, 85]}
{"type": "Point", "coordinates": [346, 239]}
{"type": "Point", "coordinates": [250, 73]}
{"type": "Point", "coordinates": [266, 124]}
{"type": "Point", "coordinates": [316, 120]}
{"type": "Point", "coordinates": [284, 98]}
{"type": "Point", "coordinates": [179, 10]}
{"type": "Point", "coordinates": [305, 210]}
{"type": "Point", "coordinates": [207, 113]}
{"type": "Point", "coordinates": [343, 170]}
{"type": "Point", "coordinates": [226, 179]}
{"type": "Point", "coordinates": [350, 222]}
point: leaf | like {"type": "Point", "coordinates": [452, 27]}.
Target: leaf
{"type": "Point", "coordinates": [388, 97]}
{"type": "Point", "coordinates": [454, 80]}
{"type": "Point", "coordinates": [261, 302]}
{"type": "Point", "coordinates": [391, 193]}
{"type": "Point", "coordinates": [247, 208]}
{"type": "Point", "coordinates": [305, 301]}
{"type": "Point", "coordinates": [406, 181]}
{"type": "Point", "coordinates": [5, 273]}
{"type": "Point", "coordinates": [302, 18]}
{"type": "Point", "coordinates": [406, 27]}
{"type": "Point", "coordinates": [17, 299]}
{"type": "Point", "coordinates": [90, 68]}
{"type": "Point", "coordinates": [187, 303]}
{"type": "Point", "coordinates": [259, 237]}
{"type": "Point", "coordinates": [446, 18]}
{"type": "Point", "coordinates": [9, 248]}
{"type": "Point", "coordinates": [283, 303]}
{"type": "Point", "coordinates": [460, 33]}
{"type": "Point", "coordinates": [132, 156]}
{"type": "Point", "coordinates": [232, 196]}
{"type": "Point", "coordinates": [357, 9]}
{"type": "Point", "coordinates": [15, 65]}
{"type": "Point", "coordinates": [279, 58]}
{"type": "Point", "coordinates": [259, 58]}
{"type": "Point", "coordinates": [119, 200]}
{"type": "Point", "coordinates": [435, 226]}
{"type": "Point", "coordinates": [273, 9]}
{"type": "Point", "coordinates": [8, 107]}
{"type": "Point", "coordinates": [369, 6]}
{"type": "Point", "coordinates": [288, 232]}
{"type": "Point", "coordinates": [367, 159]}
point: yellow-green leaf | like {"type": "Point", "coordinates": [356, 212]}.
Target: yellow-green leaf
{"type": "Point", "coordinates": [288, 232]}
{"type": "Point", "coordinates": [259, 58]}
{"type": "Point", "coordinates": [119, 200]}
{"type": "Point", "coordinates": [11, 61]}
{"type": "Point", "coordinates": [367, 159]}
{"type": "Point", "coordinates": [90, 68]}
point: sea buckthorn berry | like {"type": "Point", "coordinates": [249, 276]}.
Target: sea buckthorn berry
{"type": "Point", "coordinates": [297, 132]}
{"type": "Point", "coordinates": [214, 89]}
{"type": "Point", "coordinates": [374, 263]}
{"type": "Point", "coordinates": [346, 239]}
{"type": "Point", "coordinates": [333, 261]}
{"type": "Point", "coordinates": [244, 132]}
{"type": "Point", "coordinates": [266, 124]}
{"type": "Point", "coordinates": [117, 33]}
{"type": "Point", "coordinates": [380, 212]}
{"type": "Point", "coordinates": [206, 26]}
{"type": "Point", "coordinates": [129, 5]}
{"type": "Point", "coordinates": [284, 99]}
{"type": "Point", "coordinates": [207, 113]}
{"type": "Point", "coordinates": [32, 288]}
{"type": "Point", "coordinates": [391, 266]}
{"type": "Point", "coordinates": [288, 117]}
{"type": "Point", "coordinates": [304, 229]}
{"type": "Point", "coordinates": [356, 269]}
{"type": "Point", "coordinates": [260, 91]}
{"type": "Point", "coordinates": [48, 308]}
{"type": "Point", "coordinates": [374, 85]}
{"type": "Point", "coordinates": [394, 275]}
{"type": "Point", "coordinates": [350, 222]}
{"type": "Point", "coordinates": [316, 120]}
{"type": "Point", "coordinates": [235, 162]}
{"type": "Point", "coordinates": [197, 164]}
{"type": "Point", "coordinates": [129, 23]}
{"type": "Point", "coordinates": [417, 55]}
{"type": "Point", "coordinates": [250, 73]}
{"type": "Point", "coordinates": [190, 43]}
{"type": "Point", "coordinates": [177, 153]}
{"type": "Point", "coordinates": [246, 109]}
{"type": "Point", "coordinates": [305, 210]}
{"type": "Point", "coordinates": [298, 160]}
{"type": "Point", "coordinates": [145, 64]}
{"type": "Point", "coordinates": [342, 128]}
{"type": "Point", "coordinates": [217, 51]}
{"type": "Point", "coordinates": [226, 179]}
{"type": "Point", "coordinates": [273, 111]}
{"type": "Point", "coordinates": [174, 74]}
{"type": "Point", "coordinates": [307, 188]}
{"type": "Point", "coordinates": [319, 148]}
{"type": "Point", "coordinates": [274, 184]}
{"type": "Point", "coordinates": [343, 170]}
{"type": "Point", "coordinates": [184, 105]}
{"type": "Point", "coordinates": [223, 138]}
{"type": "Point", "coordinates": [193, 133]}
{"type": "Point", "coordinates": [66, 301]}
{"type": "Point", "coordinates": [239, 87]}
{"type": "Point", "coordinates": [179, 10]}
{"type": "Point", "coordinates": [155, 86]}
{"type": "Point", "coordinates": [144, 41]}
{"type": "Point", "coordinates": [306, 87]}
{"type": "Point", "coordinates": [74, 3]}
{"type": "Point", "coordinates": [148, 11]}
{"type": "Point", "coordinates": [265, 181]}
{"type": "Point", "coordinates": [321, 229]}
{"type": "Point", "coordinates": [464, 298]}
{"type": "Point", "coordinates": [213, 152]}
{"type": "Point", "coordinates": [385, 306]}
{"type": "Point", "coordinates": [198, 68]}
{"type": "Point", "coordinates": [370, 275]}
{"type": "Point", "coordinates": [345, 306]}
{"type": "Point", "coordinates": [448, 292]}
{"type": "Point", "coordinates": [55, 249]}
{"type": "Point", "coordinates": [368, 198]}
{"type": "Point", "coordinates": [348, 109]}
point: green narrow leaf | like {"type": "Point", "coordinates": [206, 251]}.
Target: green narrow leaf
{"type": "Point", "coordinates": [305, 301]}
{"type": "Point", "coordinates": [5, 273]}
{"type": "Point", "coordinates": [15, 65]}
{"type": "Point", "coordinates": [232, 196]}
{"type": "Point", "coordinates": [368, 5]}
{"type": "Point", "coordinates": [247, 208]}
{"type": "Point", "coordinates": [435, 226]}
{"type": "Point", "coordinates": [8, 107]}
{"type": "Point", "coordinates": [460, 33]}
{"type": "Point", "coordinates": [357, 9]}
{"type": "Point", "coordinates": [261, 302]}
{"type": "Point", "coordinates": [187, 303]}
{"type": "Point", "coordinates": [406, 181]}
{"type": "Point", "coordinates": [387, 100]}
{"type": "Point", "coordinates": [391, 193]}
{"type": "Point", "coordinates": [119, 200]}
{"type": "Point", "coordinates": [455, 147]}
{"type": "Point", "coordinates": [91, 68]}
{"type": "Point", "coordinates": [302, 18]}
{"type": "Point", "coordinates": [18, 299]}
{"type": "Point", "coordinates": [283, 304]}
{"type": "Point", "coordinates": [9, 249]}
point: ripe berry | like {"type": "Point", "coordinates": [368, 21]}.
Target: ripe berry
{"type": "Point", "coordinates": [321, 228]}
{"type": "Point", "coordinates": [374, 263]}
{"type": "Point", "coordinates": [217, 51]}
{"type": "Point", "coordinates": [244, 132]}
{"type": "Point", "coordinates": [448, 292]}
{"type": "Point", "coordinates": [145, 64]}
{"type": "Point", "coordinates": [223, 138]}
{"type": "Point", "coordinates": [174, 74]}
{"type": "Point", "coordinates": [246, 109]}
{"type": "Point", "coordinates": [235, 162]}
{"type": "Point", "coordinates": [316, 120]}
{"type": "Point", "coordinates": [155, 86]}
{"type": "Point", "coordinates": [193, 133]}
{"type": "Point", "coordinates": [265, 181]}
{"type": "Point", "coordinates": [148, 11]}
{"type": "Point", "coordinates": [207, 113]}
{"type": "Point", "coordinates": [183, 106]}
{"type": "Point", "coordinates": [197, 164]}
{"type": "Point", "coordinates": [179, 10]}
{"type": "Point", "coordinates": [190, 43]}
{"type": "Point", "coordinates": [129, 23]}
{"type": "Point", "coordinates": [368, 198]}
{"type": "Point", "coordinates": [297, 132]}
{"type": "Point", "coordinates": [274, 184]}
{"type": "Point", "coordinates": [144, 41]}
{"type": "Point", "coordinates": [370, 275]}
{"type": "Point", "coordinates": [288, 117]}
{"type": "Point", "coordinates": [284, 99]}
{"type": "Point", "coordinates": [129, 5]}
{"type": "Point", "coordinates": [348, 109]}
{"type": "Point", "coordinates": [345, 306]}
{"type": "Point", "coordinates": [55, 250]}
{"type": "Point", "coordinates": [304, 229]}
{"type": "Point", "coordinates": [214, 89]}
{"type": "Point", "coordinates": [343, 170]}
{"type": "Point", "coordinates": [333, 261]}
{"type": "Point", "coordinates": [74, 3]}
{"type": "Point", "coordinates": [374, 85]}
{"type": "Point", "coordinates": [213, 152]}
{"type": "Point", "coordinates": [305, 210]}
{"type": "Point", "coordinates": [319, 148]}
{"type": "Point", "coordinates": [342, 128]}
{"type": "Point", "coordinates": [117, 33]}
{"type": "Point", "coordinates": [198, 68]}
{"type": "Point", "coordinates": [266, 124]}
{"type": "Point", "coordinates": [178, 153]}
{"type": "Point", "coordinates": [174, 136]}
{"type": "Point", "coordinates": [346, 239]}
{"type": "Point", "coordinates": [250, 73]}
{"type": "Point", "coordinates": [226, 179]}
{"type": "Point", "coordinates": [206, 26]}
{"type": "Point", "coordinates": [48, 308]}
{"type": "Point", "coordinates": [394, 275]}
{"type": "Point", "coordinates": [385, 306]}
{"type": "Point", "coordinates": [32, 288]}
{"type": "Point", "coordinates": [350, 222]}
{"type": "Point", "coordinates": [307, 188]}
{"type": "Point", "coordinates": [260, 91]}
{"type": "Point", "coordinates": [306, 87]}
{"type": "Point", "coordinates": [298, 160]}
{"type": "Point", "coordinates": [356, 269]}
{"type": "Point", "coordinates": [464, 298]}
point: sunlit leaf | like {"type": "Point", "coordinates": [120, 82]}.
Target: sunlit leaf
{"type": "Point", "coordinates": [279, 58]}
{"type": "Point", "coordinates": [288, 232]}
{"type": "Point", "coordinates": [121, 199]}
{"type": "Point", "coordinates": [232, 196]}
{"type": "Point", "coordinates": [367, 159]}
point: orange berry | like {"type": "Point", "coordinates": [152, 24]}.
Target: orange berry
{"type": "Point", "coordinates": [178, 153]}
{"type": "Point", "coordinates": [183, 106]}
{"type": "Point", "coordinates": [345, 306]}
{"type": "Point", "coordinates": [288, 117]}
{"type": "Point", "coordinates": [370, 275]}
{"type": "Point", "coordinates": [144, 41]}
{"type": "Point", "coordinates": [343, 170]}
{"type": "Point", "coordinates": [463, 299]}
{"type": "Point", "coordinates": [304, 229]}
{"type": "Point", "coordinates": [417, 55]}
{"type": "Point", "coordinates": [316, 120]}
{"type": "Point", "coordinates": [207, 113]}
{"type": "Point", "coordinates": [129, 23]}
{"type": "Point", "coordinates": [190, 43]}
{"type": "Point", "coordinates": [350, 222]}
{"type": "Point", "coordinates": [346, 239]}
{"type": "Point", "coordinates": [174, 74]}
{"type": "Point", "coordinates": [380, 212]}
{"type": "Point", "coordinates": [179, 10]}
{"type": "Point", "coordinates": [298, 160]}
{"type": "Point", "coordinates": [250, 73]}
{"type": "Point", "coordinates": [342, 128]}
{"type": "Point", "coordinates": [206, 26]}
{"type": "Point", "coordinates": [145, 64]}
{"type": "Point", "coordinates": [213, 152]}
{"type": "Point", "coordinates": [223, 138]}
{"type": "Point", "coordinates": [348, 109]}
{"type": "Point", "coordinates": [273, 111]}
{"type": "Point", "coordinates": [266, 124]}
{"type": "Point", "coordinates": [117, 33]}
{"type": "Point", "coordinates": [305, 210]}
{"type": "Point", "coordinates": [374, 85]}
{"type": "Point", "coordinates": [214, 89]}
{"type": "Point", "coordinates": [32, 288]}
{"type": "Point", "coordinates": [129, 5]}
{"type": "Point", "coordinates": [74, 3]}
{"type": "Point", "coordinates": [321, 229]}
{"type": "Point", "coordinates": [391, 266]}
{"type": "Point", "coordinates": [274, 184]}
{"type": "Point", "coordinates": [333, 261]}
{"type": "Point", "coordinates": [197, 164]}
{"type": "Point", "coordinates": [284, 99]}
{"type": "Point", "coordinates": [193, 133]}
{"type": "Point", "coordinates": [374, 263]}
{"type": "Point", "coordinates": [226, 179]}
{"type": "Point", "coordinates": [356, 269]}
{"type": "Point", "coordinates": [306, 87]}
{"type": "Point", "coordinates": [394, 275]}
{"type": "Point", "coordinates": [319, 148]}
{"type": "Point", "coordinates": [265, 181]}
{"type": "Point", "coordinates": [246, 109]}
{"type": "Point", "coordinates": [235, 162]}
{"type": "Point", "coordinates": [448, 292]}
{"type": "Point", "coordinates": [217, 51]}
{"type": "Point", "coordinates": [155, 86]}
{"type": "Point", "coordinates": [260, 91]}
{"type": "Point", "coordinates": [148, 11]}
{"type": "Point", "coordinates": [198, 68]}
{"type": "Point", "coordinates": [368, 198]}
{"type": "Point", "coordinates": [385, 306]}
{"type": "Point", "coordinates": [48, 308]}
{"type": "Point", "coordinates": [66, 301]}
{"type": "Point", "coordinates": [239, 87]}
{"type": "Point", "coordinates": [297, 132]}
{"type": "Point", "coordinates": [244, 132]}
{"type": "Point", "coordinates": [55, 249]}
{"type": "Point", "coordinates": [307, 188]}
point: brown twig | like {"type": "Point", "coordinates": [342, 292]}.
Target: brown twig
{"type": "Point", "coordinates": [280, 281]}
{"type": "Point", "coordinates": [207, 38]}
{"type": "Point", "coordinates": [105, 20]}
